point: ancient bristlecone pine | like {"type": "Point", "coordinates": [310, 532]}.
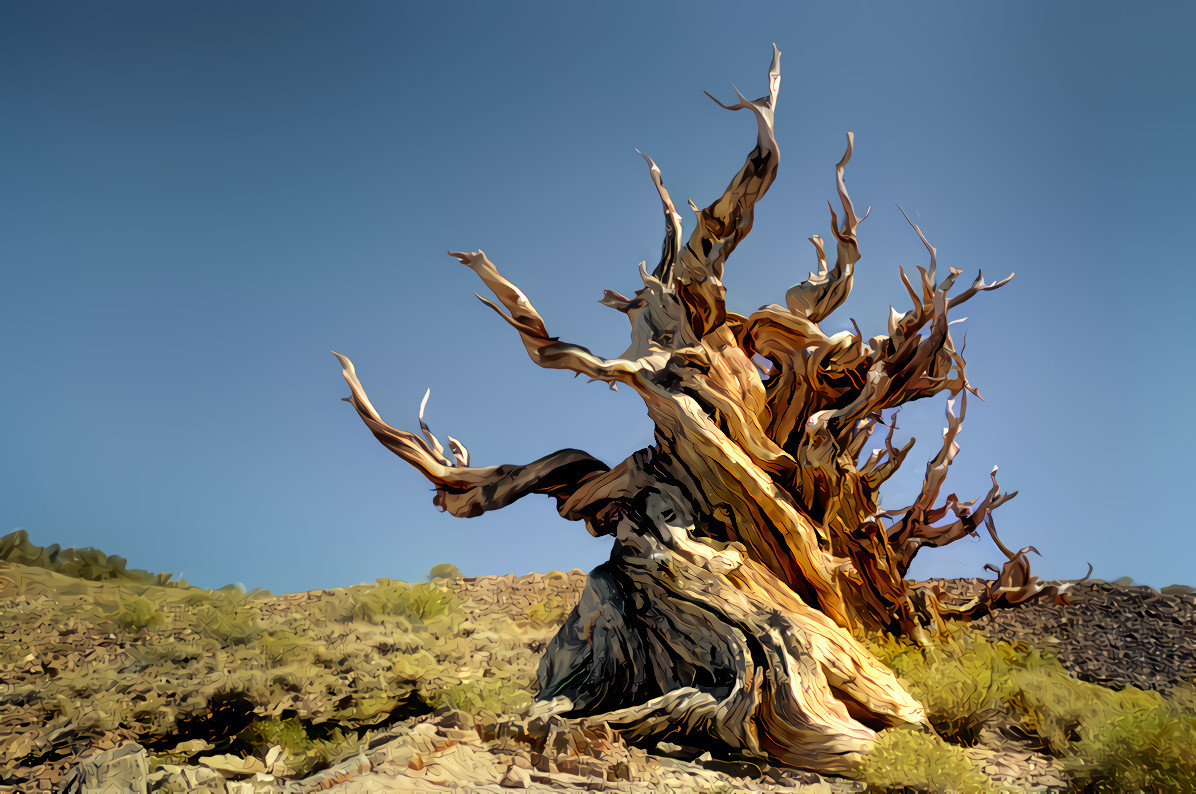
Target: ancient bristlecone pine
{"type": "Point", "coordinates": [750, 556]}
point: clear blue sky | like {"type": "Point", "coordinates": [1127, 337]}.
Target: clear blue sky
{"type": "Point", "coordinates": [201, 199]}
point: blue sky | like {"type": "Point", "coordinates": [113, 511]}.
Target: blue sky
{"type": "Point", "coordinates": [202, 199]}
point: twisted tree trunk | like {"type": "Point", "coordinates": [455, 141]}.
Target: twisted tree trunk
{"type": "Point", "coordinates": [750, 557]}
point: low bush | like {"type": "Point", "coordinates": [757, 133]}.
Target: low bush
{"type": "Point", "coordinates": [1129, 740]}
{"type": "Point", "coordinates": [1051, 706]}
{"type": "Point", "coordinates": [962, 684]}
{"type": "Point", "coordinates": [491, 696]}
{"type": "Point", "coordinates": [445, 571]}
{"type": "Point", "coordinates": [905, 759]}
{"type": "Point", "coordinates": [227, 617]}
{"type": "Point", "coordinates": [428, 605]}
{"type": "Point", "coordinates": [282, 645]}
{"type": "Point", "coordinates": [1141, 744]}
{"type": "Point", "coordinates": [130, 611]}
{"type": "Point", "coordinates": [86, 563]}
{"type": "Point", "coordinates": [303, 749]}
{"type": "Point", "coordinates": [549, 612]}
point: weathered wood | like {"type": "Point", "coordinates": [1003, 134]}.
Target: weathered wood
{"type": "Point", "coordinates": [750, 554]}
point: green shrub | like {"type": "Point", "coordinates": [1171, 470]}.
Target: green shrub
{"type": "Point", "coordinates": [1132, 740]}
{"type": "Point", "coordinates": [962, 684]}
{"type": "Point", "coordinates": [304, 749]}
{"type": "Point", "coordinates": [1052, 706]}
{"type": "Point", "coordinates": [167, 649]}
{"type": "Point", "coordinates": [1142, 744]}
{"type": "Point", "coordinates": [907, 760]}
{"type": "Point", "coordinates": [86, 563]}
{"type": "Point", "coordinates": [445, 571]}
{"type": "Point", "coordinates": [131, 611]}
{"type": "Point", "coordinates": [482, 696]}
{"type": "Point", "coordinates": [226, 617]}
{"type": "Point", "coordinates": [1183, 697]}
{"type": "Point", "coordinates": [302, 753]}
{"type": "Point", "coordinates": [282, 645]}
{"type": "Point", "coordinates": [549, 612]}
{"type": "Point", "coordinates": [1110, 740]}
{"type": "Point", "coordinates": [426, 604]}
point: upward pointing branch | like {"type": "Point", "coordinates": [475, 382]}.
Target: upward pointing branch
{"type": "Point", "coordinates": [545, 350]}
{"type": "Point", "coordinates": [824, 291]}
{"type": "Point", "coordinates": [671, 250]}
{"type": "Point", "coordinates": [723, 224]}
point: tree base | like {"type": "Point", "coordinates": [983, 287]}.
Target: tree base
{"type": "Point", "coordinates": [661, 647]}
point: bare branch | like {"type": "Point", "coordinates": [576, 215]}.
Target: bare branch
{"type": "Point", "coordinates": [407, 446]}
{"type": "Point", "coordinates": [822, 292]}
{"type": "Point", "coordinates": [671, 249]}
{"type": "Point", "coordinates": [465, 491]}
{"type": "Point", "coordinates": [723, 225]}
{"type": "Point", "coordinates": [859, 434]}
{"type": "Point", "coordinates": [930, 248]}
{"type": "Point", "coordinates": [545, 350]}
{"type": "Point", "coordinates": [910, 535]}
{"type": "Point", "coordinates": [876, 471]}
{"type": "Point", "coordinates": [433, 445]}
{"type": "Point", "coordinates": [1014, 584]}
{"type": "Point", "coordinates": [847, 249]}
{"type": "Point", "coordinates": [936, 468]}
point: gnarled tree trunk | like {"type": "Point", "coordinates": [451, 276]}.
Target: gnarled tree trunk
{"type": "Point", "coordinates": [750, 556]}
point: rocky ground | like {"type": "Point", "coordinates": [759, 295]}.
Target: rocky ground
{"type": "Point", "coordinates": [1112, 634]}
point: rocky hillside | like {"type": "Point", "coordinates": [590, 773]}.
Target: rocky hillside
{"type": "Point", "coordinates": [391, 686]}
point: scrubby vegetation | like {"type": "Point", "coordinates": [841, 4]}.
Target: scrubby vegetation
{"type": "Point", "coordinates": [85, 654]}
{"type": "Point", "coordinates": [1108, 740]}
{"type": "Point", "coordinates": [907, 760]}
{"type": "Point", "coordinates": [1128, 740]}
{"type": "Point", "coordinates": [87, 563]}
{"type": "Point", "coordinates": [445, 570]}
{"type": "Point", "coordinates": [90, 657]}
{"type": "Point", "coordinates": [304, 748]}
{"type": "Point", "coordinates": [962, 684]}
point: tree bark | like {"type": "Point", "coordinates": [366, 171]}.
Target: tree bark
{"type": "Point", "coordinates": [750, 557]}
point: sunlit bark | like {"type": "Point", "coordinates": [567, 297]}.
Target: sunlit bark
{"type": "Point", "coordinates": [750, 555]}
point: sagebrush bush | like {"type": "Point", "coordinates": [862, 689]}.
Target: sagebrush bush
{"type": "Point", "coordinates": [905, 759]}
{"type": "Point", "coordinates": [130, 611]}
{"type": "Point", "coordinates": [282, 645]}
{"type": "Point", "coordinates": [302, 753]}
{"type": "Point", "coordinates": [1141, 744]}
{"type": "Point", "coordinates": [1108, 740]}
{"type": "Point", "coordinates": [227, 617]}
{"type": "Point", "coordinates": [1183, 697]}
{"type": "Point", "coordinates": [88, 563]}
{"type": "Point", "coordinates": [483, 696]}
{"type": "Point", "coordinates": [426, 604]}
{"type": "Point", "coordinates": [1051, 706]}
{"type": "Point", "coordinates": [549, 612]}
{"type": "Point", "coordinates": [962, 684]}
{"type": "Point", "coordinates": [445, 571]}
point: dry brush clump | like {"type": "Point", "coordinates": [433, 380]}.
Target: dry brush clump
{"type": "Point", "coordinates": [907, 760]}
{"type": "Point", "coordinates": [1107, 740]}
